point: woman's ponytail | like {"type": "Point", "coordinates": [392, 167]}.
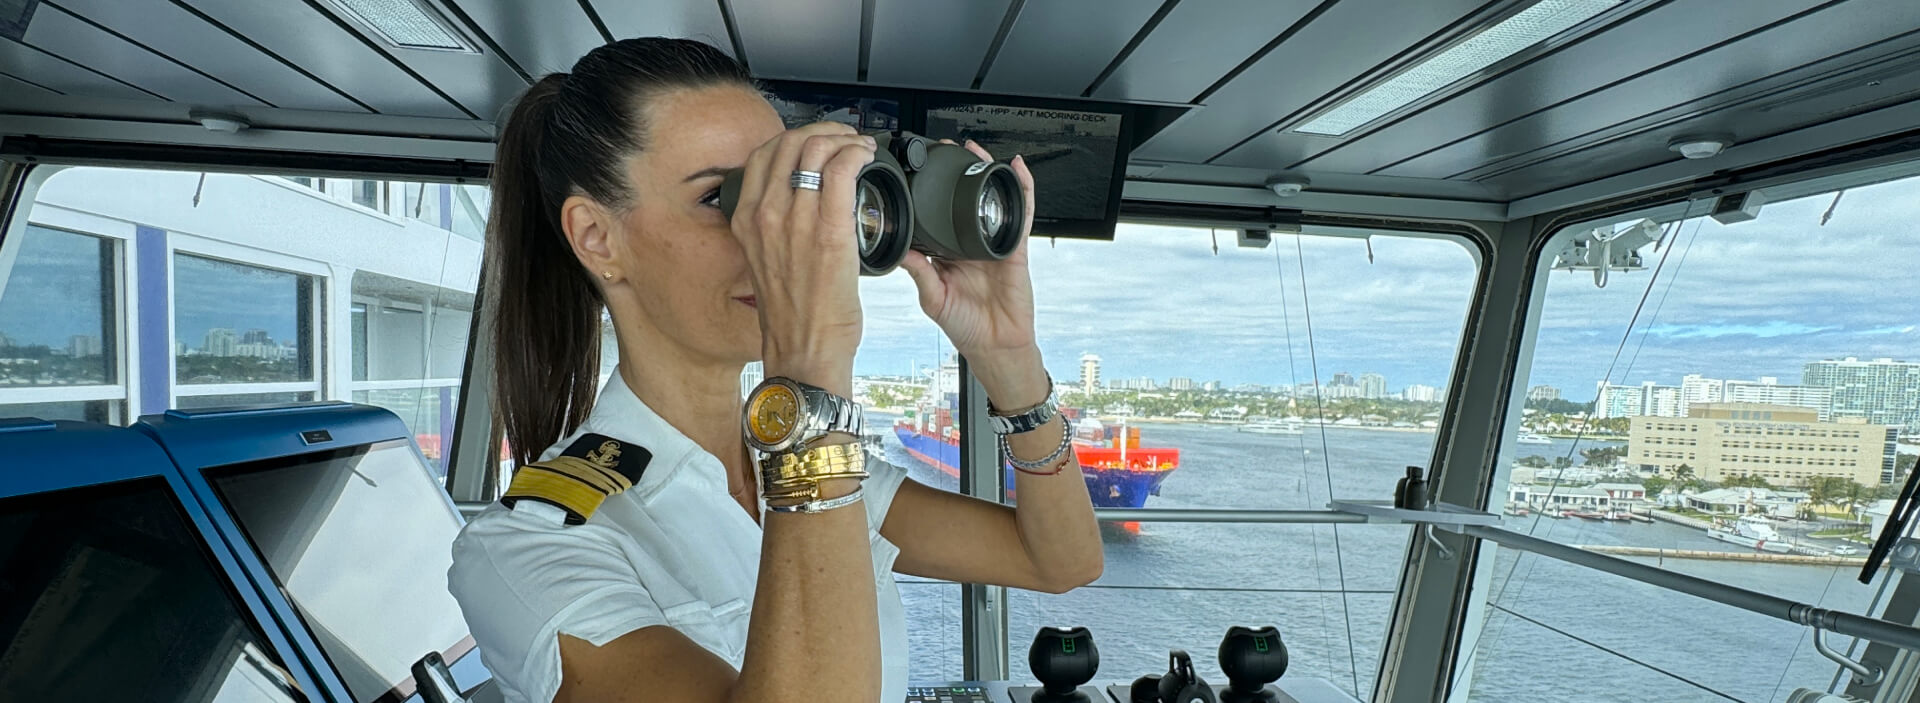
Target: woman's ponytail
{"type": "Point", "coordinates": [545, 311]}
{"type": "Point", "coordinates": [568, 135]}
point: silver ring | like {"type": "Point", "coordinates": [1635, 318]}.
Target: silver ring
{"type": "Point", "coordinates": [809, 180]}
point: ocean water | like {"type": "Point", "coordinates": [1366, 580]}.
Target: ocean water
{"type": "Point", "coordinates": [1330, 590]}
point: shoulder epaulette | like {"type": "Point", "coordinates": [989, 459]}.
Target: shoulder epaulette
{"type": "Point", "coordinates": [591, 470]}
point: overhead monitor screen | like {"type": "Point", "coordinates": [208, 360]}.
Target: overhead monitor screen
{"type": "Point", "coordinates": [866, 114]}
{"type": "Point", "coordinates": [110, 595]}
{"type": "Point", "coordinates": [1073, 155]}
{"type": "Point", "coordinates": [360, 540]}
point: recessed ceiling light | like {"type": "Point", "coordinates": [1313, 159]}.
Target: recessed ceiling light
{"type": "Point", "coordinates": [1700, 147]}
{"type": "Point", "coordinates": [406, 24]}
{"type": "Point", "coordinates": [1491, 45]}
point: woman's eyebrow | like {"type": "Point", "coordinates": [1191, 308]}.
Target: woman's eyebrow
{"type": "Point", "coordinates": [708, 172]}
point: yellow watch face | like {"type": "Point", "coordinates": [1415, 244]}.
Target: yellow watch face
{"type": "Point", "coordinates": [772, 413]}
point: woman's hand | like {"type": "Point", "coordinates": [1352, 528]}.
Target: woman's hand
{"type": "Point", "coordinates": [800, 248]}
{"type": "Point", "coordinates": [986, 309]}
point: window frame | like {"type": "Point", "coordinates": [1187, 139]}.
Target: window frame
{"type": "Point", "coordinates": [319, 277]}
{"type": "Point", "coordinates": [1779, 183]}
{"type": "Point", "coordinates": [123, 394]}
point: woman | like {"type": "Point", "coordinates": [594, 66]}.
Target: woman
{"type": "Point", "coordinates": [605, 195]}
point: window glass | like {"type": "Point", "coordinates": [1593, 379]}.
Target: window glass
{"type": "Point", "coordinates": [1281, 377]}
{"type": "Point", "coordinates": [112, 596]}
{"type": "Point", "coordinates": [1728, 405]}
{"type": "Point", "coordinates": [323, 522]}
{"type": "Point", "coordinates": [57, 270]}
{"type": "Point", "coordinates": [104, 411]}
{"type": "Point", "coordinates": [367, 194]}
{"type": "Point", "coordinates": [907, 378]}
{"type": "Point", "coordinates": [236, 323]}
{"type": "Point", "coordinates": [1174, 361]}
{"type": "Point", "coordinates": [221, 400]}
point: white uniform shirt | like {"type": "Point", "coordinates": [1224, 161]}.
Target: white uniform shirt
{"type": "Point", "coordinates": [674, 550]}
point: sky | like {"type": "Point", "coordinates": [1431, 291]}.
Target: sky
{"type": "Point", "coordinates": [1741, 301]}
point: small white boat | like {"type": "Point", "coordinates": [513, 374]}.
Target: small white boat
{"type": "Point", "coordinates": [1752, 531]}
{"type": "Point", "coordinates": [1278, 427]}
{"type": "Point", "coordinates": [1533, 438]}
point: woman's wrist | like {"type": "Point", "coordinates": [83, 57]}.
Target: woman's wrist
{"type": "Point", "coordinates": [834, 376]}
{"type": "Point", "coordinates": [1013, 379]}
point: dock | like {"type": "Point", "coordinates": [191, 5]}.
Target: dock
{"type": "Point", "coordinates": [1762, 557]}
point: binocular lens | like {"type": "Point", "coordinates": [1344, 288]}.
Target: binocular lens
{"type": "Point", "coordinates": [938, 198]}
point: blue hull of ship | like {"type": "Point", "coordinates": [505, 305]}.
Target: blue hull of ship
{"type": "Point", "coordinates": [1108, 488]}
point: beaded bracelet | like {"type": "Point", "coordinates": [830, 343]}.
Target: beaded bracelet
{"type": "Point", "coordinates": [819, 506]}
{"type": "Point", "coordinates": [1035, 467]}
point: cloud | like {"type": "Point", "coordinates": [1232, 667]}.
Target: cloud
{"type": "Point", "coordinates": [1760, 298]}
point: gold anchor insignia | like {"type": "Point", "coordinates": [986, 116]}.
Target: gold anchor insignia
{"type": "Point", "coordinates": [607, 456]}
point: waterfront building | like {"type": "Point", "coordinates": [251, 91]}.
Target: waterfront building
{"type": "Point", "coordinates": [1881, 391]}
{"type": "Point", "coordinates": [1646, 399]}
{"type": "Point", "coordinates": [1373, 386]}
{"type": "Point", "coordinates": [1785, 445]}
{"type": "Point", "coordinates": [1089, 373]}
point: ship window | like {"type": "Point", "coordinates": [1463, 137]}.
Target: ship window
{"type": "Point", "coordinates": [112, 596]}
{"type": "Point", "coordinates": [409, 347]}
{"type": "Point", "coordinates": [1687, 329]}
{"type": "Point", "coordinates": [1311, 370]}
{"type": "Point", "coordinates": [240, 324]}
{"type": "Point", "coordinates": [60, 327]}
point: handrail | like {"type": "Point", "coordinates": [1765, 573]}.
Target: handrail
{"type": "Point", "coordinates": [1310, 517]}
{"type": "Point", "coordinates": [1795, 612]}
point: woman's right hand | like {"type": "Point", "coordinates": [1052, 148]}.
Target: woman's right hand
{"type": "Point", "coordinates": [801, 250]}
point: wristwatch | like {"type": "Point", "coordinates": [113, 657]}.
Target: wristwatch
{"type": "Point", "coordinates": [1023, 420]}
{"type": "Point", "coordinates": [782, 414]}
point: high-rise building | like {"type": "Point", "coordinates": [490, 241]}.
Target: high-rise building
{"type": "Point", "coordinates": [1210, 386]}
{"type": "Point", "coordinates": [1420, 393]}
{"type": "Point", "coordinates": [1341, 378]}
{"type": "Point", "coordinates": [1373, 386]}
{"type": "Point", "coordinates": [1089, 373]}
{"type": "Point", "coordinates": [256, 336]}
{"type": "Point", "coordinates": [1769, 391]}
{"type": "Point", "coordinates": [220, 341]}
{"type": "Point", "coordinates": [1540, 393]}
{"type": "Point", "coordinates": [1647, 399]}
{"type": "Point", "coordinates": [1180, 383]}
{"type": "Point", "coordinates": [1882, 391]}
{"type": "Point", "coordinates": [1780, 443]}
{"type": "Point", "coordinates": [1695, 388]}
{"type": "Point", "coordinates": [81, 345]}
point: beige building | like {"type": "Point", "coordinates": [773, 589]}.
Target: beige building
{"type": "Point", "coordinates": [1786, 445]}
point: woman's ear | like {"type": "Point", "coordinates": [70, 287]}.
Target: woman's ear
{"type": "Point", "coordinates": [590, 230]}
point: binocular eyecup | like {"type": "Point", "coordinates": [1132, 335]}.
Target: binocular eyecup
{"type": "Point", "coordinates": [920, 194]}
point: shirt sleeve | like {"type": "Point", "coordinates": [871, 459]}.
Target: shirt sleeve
{"type": "Point", "coordinates": [523, 581]}
{"type": "Point", "coordinates": [883, 482]}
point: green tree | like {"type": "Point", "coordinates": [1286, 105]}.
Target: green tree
{"type": "Point", "coordinates": [1532, 460]}
{"type": "Point", "coordinates": [1561, 462]}
{"type": "Point", "coordinates": [1683, 474]}
{"type": "Point", "coordinates": [1602, 456]}
{"type": "Point", "coordinates": [1654, 485]}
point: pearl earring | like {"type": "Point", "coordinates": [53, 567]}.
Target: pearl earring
{"type": "Point", "coordinates": [606, 275]}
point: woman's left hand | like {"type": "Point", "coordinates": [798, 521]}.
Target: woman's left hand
{"type": "Point", "coordinates": [986, 307]}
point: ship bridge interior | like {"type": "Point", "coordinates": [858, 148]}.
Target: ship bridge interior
{"type": "Point", "coordinates": [1513, 349]}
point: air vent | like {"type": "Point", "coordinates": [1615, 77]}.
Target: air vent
{"type": "Point", "coordinates": [406, 24]}
{"type": "Point", "coordinates": [1510, 36]}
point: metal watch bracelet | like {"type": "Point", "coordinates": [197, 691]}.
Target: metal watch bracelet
{"type": "Point", "coordinates": [1026, 419]}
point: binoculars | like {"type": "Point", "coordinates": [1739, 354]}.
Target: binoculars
{"type": "Point", "coordinates": [920, 194]}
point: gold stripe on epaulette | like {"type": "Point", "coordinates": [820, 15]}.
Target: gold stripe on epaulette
{"type": "Point", "coordinates": [577, 497]}
{"type": "Point", "coordinates": [605, 480]}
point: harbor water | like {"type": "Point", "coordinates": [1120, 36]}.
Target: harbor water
{"type": "Point", "coordinates": [1331, 590]}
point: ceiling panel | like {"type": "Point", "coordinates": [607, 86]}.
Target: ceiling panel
{"type": "Point", "coordinates": [1784, 105]}
{"type": "Point", "coordinates": [542, 37]}
{"type": "Point", "coordinates": [168, 29]}
{"type": "Point", "coordinates": [1782, 48]}
{"type": "Point", "coordinates": [665, 18]}
{"type": "Point", "coordinates": [932, 44]}
{"type": "Point", "coordinates": [25, 61]}
{"type": "Point", "coordinates": [815, 40]}
{"type": "Point", "coordinates": [314, 42]}
{"type": "Point", "coordinates": [70, 38]}
{"type": "Point", "coordinates": [1327, 55]}
{"type": "Point", "coordinates": [1197, 44]}
{"type": "Point", "coordinates": [1663, 34]}
{"type": "Point", "coordinates": [15, 88]}
{"type": "Point", "coordinates": [1057, 47]}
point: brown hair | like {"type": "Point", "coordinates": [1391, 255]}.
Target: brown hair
{"type": "Point", "coordinates": [569, 134]}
